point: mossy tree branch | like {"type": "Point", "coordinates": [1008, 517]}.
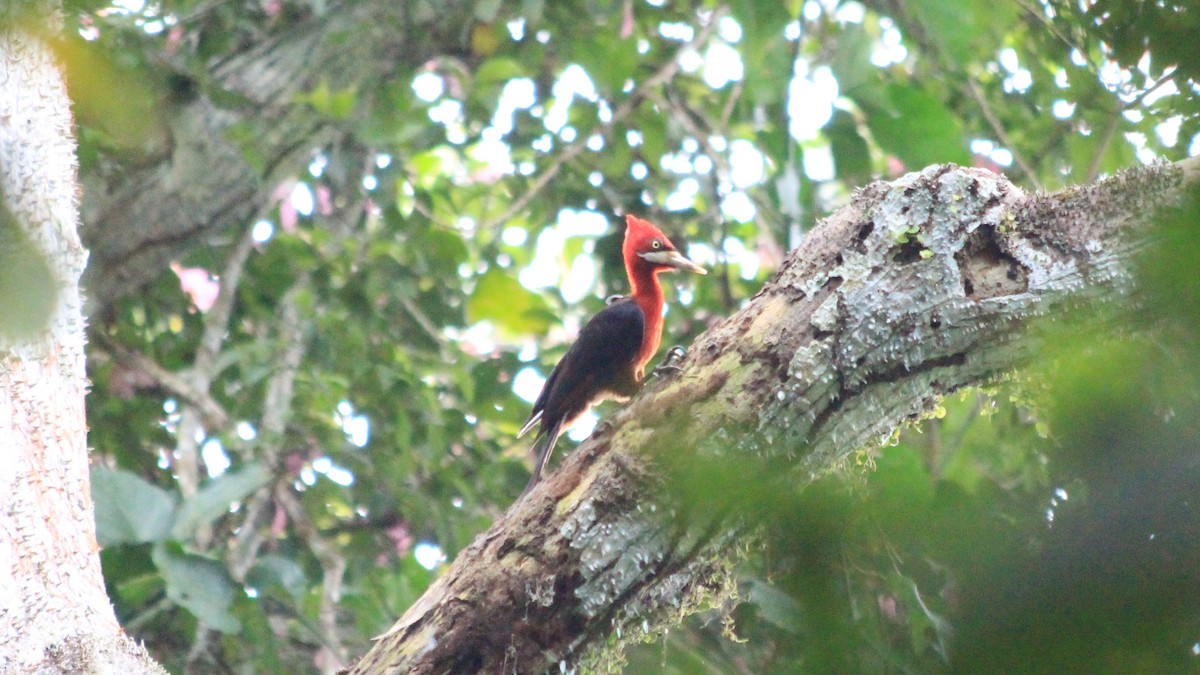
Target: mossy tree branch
{"type": "Point", "coordinates": [916, 288]}
{"type": "Point", "coordinates": [227, 131]}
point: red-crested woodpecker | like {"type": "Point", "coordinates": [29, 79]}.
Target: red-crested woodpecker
{"type": "Point", "coordinates": [608, 359]}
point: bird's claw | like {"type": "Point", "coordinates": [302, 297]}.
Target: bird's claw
{"type": "Point", "coordinates": [670, 363]}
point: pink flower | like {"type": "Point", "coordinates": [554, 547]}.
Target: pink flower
{"type": "Point", "coordinates": [627, 21]}
{"type": "Point", "coordinates": [198, 285]}
{"type": "Point", "coordinates": [287, 212]}
{"type": "Point", "coordinates": [324, 200]}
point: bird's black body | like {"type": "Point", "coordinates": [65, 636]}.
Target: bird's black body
{"type": "Point", "coordinates": [601, 365]}
{"type": "Point", "coordinates": [608, 360]}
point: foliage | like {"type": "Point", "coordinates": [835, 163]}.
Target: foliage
{"type": "Point", "coordinates": [356, 404]}
{"type": "Point", "coordinates": [27, 295]}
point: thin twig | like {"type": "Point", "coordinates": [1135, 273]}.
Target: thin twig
{"type": "Point", "coordinates": [724, 174]}
{"type": "Point", "coordinates": [686, 115]}
{"type": "Point", "coordinates": [765, 212]}
{"type": "Point", "coordinates": [134, 625]}
{"type": "Point", "coordinates": [333, 568]}
{"type": "Point", "coordinates": [216, 321]}
{"type": "Point", "coordinates": [420, 208]}
{"type": "Point", "coordinates": [198, 658]}
{"type": "Point", "coordinates": [243, 551]}
{"type": "Point", "coordinates": [422, 319]}
{"type": "Point", "coordinates": [662, 75]}
{"type": "Point", "coordinates": [735, 94]}
{"type": "Point", "coordinates": [201, 375]}
{"type": "Point", "coordinates": [179, 384]}
{"type": "Point", "coordinates": [277, 404]}
{"type": "Point", "coordinates": [278, 399]}
{"type": "Point", "coordinates": [1168, 74]}
{"type": "Point", "coordinates": [203, 371]}
{"type": "Point", "coordinates": [980, 99]}
{"type": "Point", "coordinates": [928, 46]}
{"type": "Point", "coordinates": [1049, 25]}
{"type": "Point", "coordinates": [1102, 149]}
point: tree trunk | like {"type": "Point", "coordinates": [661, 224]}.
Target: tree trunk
{"type": "Point", "coordinates": [54, 613]}
{"type": "Point", "coordinates": [235, 131]}
{"type": "Point", "coordinates": [917, 288]}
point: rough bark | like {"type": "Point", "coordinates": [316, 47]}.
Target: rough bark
{"type": "Point", "coordinates": [54, 613]}
{"type": "Point", "coordinates": [917, 288]}
{"type": "Point", "coordinates": [234, 131]}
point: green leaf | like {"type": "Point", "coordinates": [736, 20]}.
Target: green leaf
{"type": "Point", "coordinates": [28, 289]}
{"type": "Point", "coordinates": [500, 298]}
{"type": "Point", "coordinates": [433, 165]}
{"type": "Point", "coordinates": [532, 10]}
{"type": "Point", "coordinates": [607, 60]}
{"type": "Point", "coordinates": [851, 155]}
{"type": "Point", "coordinates": [114, 95]}
{"type": "Point", "coordinates": [141, 589]}
{"type": "Point", "coordinates": [851, 60]}
{"type": "Point", "coordinates": [341, 103]}
{"type": "Point", "coordinates": [442, 249]}
{"type": "Point", "coordinates": [903, 488]}
{"type": "Point", "coordinates": [245, 135]}
{"type": "Point", "coordinates": [212, 500]}
{"type": "Point", "coordinates": [654, 134]}
{"type": "Point", "coordinates": [761, 45]}
{"type": "Point", "coordinates": [337, 104]}
{"type": "Point", "coordinates": [198, 584]}
{"type": "Point", "coordinates": [918, 129]}
{"type": "Point", "coordinates": [777, 607]}
{"type": "Point", "coordinates": [1082, 151]}
{"type": "Point", "coordinates": [498, 70]}
{"type": "Point", "coordinates": [128, 509]}
{"type": "Point", "coordinates": [965, 29]}
{"type": "Point", "coordinates": [274, 571]}
{"type": "Point", "coordinates": [486, 10]}
{"type": "Point", "coordinates": [258, 637]}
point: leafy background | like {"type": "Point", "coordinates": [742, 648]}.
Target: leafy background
{"type": "Point", "coordinates": [282, 469]}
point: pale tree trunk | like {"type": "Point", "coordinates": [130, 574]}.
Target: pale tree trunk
{"type": "Point", "coordinates": [917, 288]}
{"type": "Point", "coordinates": [54, 613]}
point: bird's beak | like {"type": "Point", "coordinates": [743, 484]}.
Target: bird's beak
{"type": "Point", "coordinates": [673, 259]}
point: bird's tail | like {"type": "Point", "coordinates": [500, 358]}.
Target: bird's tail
{"type": "Point", "coordinates": [543, 446]}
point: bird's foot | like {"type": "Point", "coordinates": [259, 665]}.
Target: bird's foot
{"type": "Point", "coordinates": [670, 362]}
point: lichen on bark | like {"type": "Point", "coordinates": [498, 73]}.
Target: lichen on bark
{"type": "Point", "coordinates": [916, 288]}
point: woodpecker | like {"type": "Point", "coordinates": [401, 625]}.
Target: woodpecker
{"type": "Point", "coordinates": [608, 360]}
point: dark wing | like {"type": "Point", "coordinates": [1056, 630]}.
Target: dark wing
{"type": "Point", "coordinates": [600, 361]}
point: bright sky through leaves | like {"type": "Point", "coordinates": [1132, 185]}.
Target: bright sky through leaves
{"type": "Point", "coordinates": [452, 227]}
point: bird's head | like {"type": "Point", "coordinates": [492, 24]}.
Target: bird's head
{"type": "Point", "coordinates": [646, 247]}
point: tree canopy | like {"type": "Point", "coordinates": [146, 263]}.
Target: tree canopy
{"type": "Point", "coordinates": [336, 246]}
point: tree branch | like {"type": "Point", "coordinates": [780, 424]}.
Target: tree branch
{"type": "Point", "coordinates": [333, 568]}
{"type": "Point", "coordinates": [980, 98]}
{"type": "Point", "coordinates": [899, 11]}
{"type": "Point", "coordinates": [660, 77]}
{"type": "Point", "coordinates": [211, 413]}
{"type": "Point", "coordinates": [203, 371]}
{"type": "Point", "coordinates": [228, 143]}
{"type": "Point", "coordinates": [54, 613]}
{"type": "Point", "coordinates": [865, 325]}
{"type": "Point", "coordinates": [277, 407]}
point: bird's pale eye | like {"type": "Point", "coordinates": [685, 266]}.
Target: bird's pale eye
{"type": "Point", "coordinates": [656, 244]}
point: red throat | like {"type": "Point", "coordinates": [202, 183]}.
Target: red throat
{"type": "Point", "coordinates": [644, 286]}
